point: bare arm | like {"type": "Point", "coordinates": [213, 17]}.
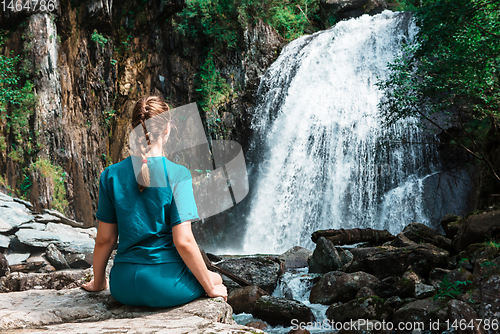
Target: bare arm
{"type": "Point", "coordinates": [107, 236]}
{"type": "Point", "coordinates": [188, 249]}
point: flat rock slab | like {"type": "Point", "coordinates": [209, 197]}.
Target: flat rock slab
{"type": "Point", "coordinates": [63, 236]}
{"type": "Point", "coordinates": [13, 215]}
{"type": "Point", "coordinates": [52, 311]}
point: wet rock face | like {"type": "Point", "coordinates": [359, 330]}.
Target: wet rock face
{"type": "Point", "coordinates": [325, 257]}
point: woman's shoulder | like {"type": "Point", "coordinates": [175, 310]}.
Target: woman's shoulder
{"type": "Point", "coordinates": [177, 172]}
{"type": "Point", "coordinates": [112, 169]}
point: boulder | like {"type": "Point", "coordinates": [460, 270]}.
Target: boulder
{"type": "Point", "coordinates": [436, 276]}
{"type": "Point", "coordinates": [72, 240]}
{"type": "Point", "coordinates": [257, 324]}
{"type": "Point", "coordinates": [4, 241]}
{"type": "Point", "coordinates": [36, 238]}
{"type": "Point", "coordinates": [47, 218]}
{"type": "Point", "coordinates": [325, 257]}
{"type": "Point", "coordinates": [476, 229]}
{"type": "Point", "coordinates": [421, 233]}
{"type": "Point", "coordinates": [490, 303]}
{"type": "Point", "coordinates": [4, 266]}
{"type": "Point", "coordinates": [295, 257]}
{"type": "Point", "coordinates": [395, 302]}
{"type": "Point", "coordinates": [299, 331]}
{"type": "Point", "coordinates": [371, 307]}
{"type": "Point", "coordinates": [478, 252]}
{"type": "Point", "coordinates": [423, 311]}
{"type": "Point", "coordinates": [424, 291]}
{"type": "Point", "coordinates": [281, 311]}
{"type": "Point", "coordinates": [365, 292]}
{"type": "Point", "coordinates": [484, 269]}
{"type": "Point", "coordinates": [13, 215]}
{"type": "Point", "coordinates": [61, 311]}
{"type": "Point", "coordinates": [244, 299]}
{"type": "Point", "coordinates": [451, 224]}
{"type": "Point", "coordinates": [33, 226]}
{"type": "Point", "coordinates": [63, 218]}
{"type": "Point", "coordinates": [55, 257]}
{"type": "Point", "coordinates": [395, 286]}
{"type": "Point", "coordinates": [337, 286]}
{"type": "Point", "coordinates": [391, 261]}
{"type": "Point", "coordinates": [262, 271]}
{"type": "Point", "coordinates": [79, 260]}
{"type": "Point", "coordinates": [17, 258]}
{"type": "Point", "coordinates": [402, 240]}
{"type": "Point", "coordinates": [460, 312]}
{"type": "Point", "coordinates": [364, 326]}
{"type": "Point", "coordinates": [25, 203]}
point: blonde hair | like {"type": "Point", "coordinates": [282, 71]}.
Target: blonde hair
{"type": "Point", "coordinates": [144, 109]}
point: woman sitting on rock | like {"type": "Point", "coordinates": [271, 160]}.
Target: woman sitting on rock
{"type": "Point", "coordinates": [158, 262]}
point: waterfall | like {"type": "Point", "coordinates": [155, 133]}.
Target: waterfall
{"type": "Point", "coordinates": [322, 158]}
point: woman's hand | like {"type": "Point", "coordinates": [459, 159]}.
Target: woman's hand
{"type": "Point", "coordinates": [93, 287]}
{"type": "Point", "coordinates": [219, 290]}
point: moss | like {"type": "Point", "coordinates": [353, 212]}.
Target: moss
{"type": "Point", "coordinates": [57, 176]}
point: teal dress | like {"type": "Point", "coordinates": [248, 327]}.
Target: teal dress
{"type": "Point", "coordinates": [147, 269]}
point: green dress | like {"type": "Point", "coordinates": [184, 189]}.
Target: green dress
{"type": "Point", "coordinates": [147, 268]}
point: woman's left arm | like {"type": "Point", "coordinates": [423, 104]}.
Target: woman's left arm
{"type": "Point", "coordinates": [107, 236]}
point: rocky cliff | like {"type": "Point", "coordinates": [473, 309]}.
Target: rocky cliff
{"type": "Point", "coordinates": [89, 62]}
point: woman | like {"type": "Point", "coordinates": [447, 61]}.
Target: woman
{"type": "Point", "coordinates": [158, 262]}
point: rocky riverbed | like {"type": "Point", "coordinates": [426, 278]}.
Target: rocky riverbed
{"type": "Point", "coordinates": [45, 257]}
{"type": "Point", "coordinates": [417, 276]}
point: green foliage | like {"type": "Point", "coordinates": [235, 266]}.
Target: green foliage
{"type": "Point", "coordinates": [55, 177]}
{"type": "Point", "coordinates": [17, 103]}
{"type": "Point", "coordinates": [109, 114]}
{"type": "Point", "coordinates": [407, 5]}
{"type": "Point", "coordinates": [451, 290]}
{"type": "Point", "coordinates": [452, 68]}
{"type": "Point", "coordinates": [221, 22]}
{"type": "Point", "coordinates": [213, 88]}
{"type": "Point", "coordinates": [98, 38]}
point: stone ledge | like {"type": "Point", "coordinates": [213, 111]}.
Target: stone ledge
{"type": "Point", "coordinates": [77, 311]}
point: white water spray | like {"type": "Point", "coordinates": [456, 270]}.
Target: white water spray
{"type": "Point", "coordinates": [327, 161]}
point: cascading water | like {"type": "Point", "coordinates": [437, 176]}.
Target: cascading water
{"type": "Point", "coordinates": [325, 160]}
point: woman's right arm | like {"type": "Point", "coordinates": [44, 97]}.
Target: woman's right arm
{"type": "Point", "coordinates": [188, 249]}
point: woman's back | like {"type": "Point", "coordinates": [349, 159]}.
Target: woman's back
{"type": "Point", "coordinates": [145, 220]}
